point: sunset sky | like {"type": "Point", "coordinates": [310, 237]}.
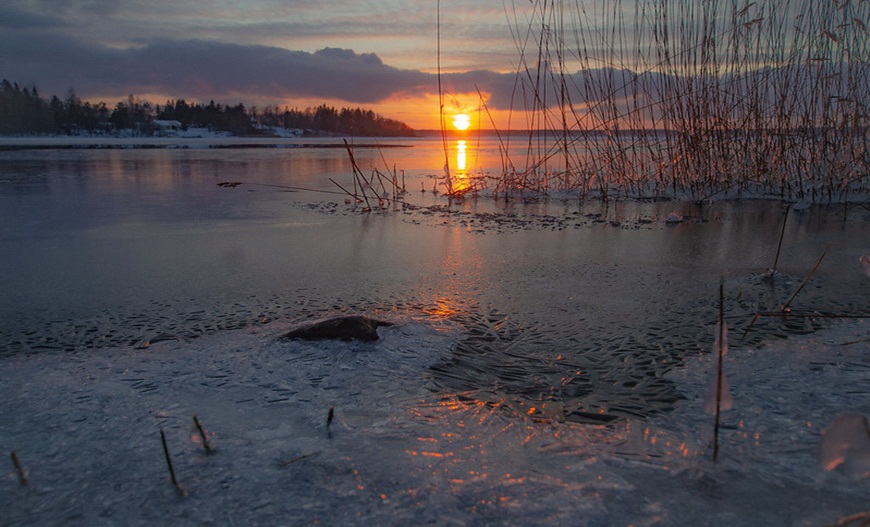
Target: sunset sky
{"type": "Point", "coordinates": [378, 54]}
{"type": "Point", "coordinates": [382, 54]}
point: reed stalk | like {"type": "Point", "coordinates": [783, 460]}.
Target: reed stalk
{"type": "Point", "coordinates": [786, 307]}
{"type": "Point", "coordinates": [352, 195]}
{"type": "Point", "coordinates": [719, 370]}
{"type": "Point", "coordinates": [682, 98]}
{"type": "Point", "coordinates": [205, 442]}
{"type": "Point", "coordinates": [22, 475]}
{"type": "Point", "coordinates": [359, 179]}
{"type": "Point", "coordinates": [296, 459]}
{"type": "Point", "coordinates": [779, 245]}
{"type": "Point", "coordinates": [813, 314]}
{"type": "Point", "coordinates": [175, 482]}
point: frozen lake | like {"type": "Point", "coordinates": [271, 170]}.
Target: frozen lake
{"type": "Point", "coordinates": [548, 363]}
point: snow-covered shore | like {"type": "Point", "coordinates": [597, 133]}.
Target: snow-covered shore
{"type": "Point", "coordinates": [190, 138]}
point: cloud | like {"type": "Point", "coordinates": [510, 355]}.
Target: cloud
{"type": "Point", "coordinates": [12, 17]}
{"type": "Point", "coordinates": [205, 69]}
{"type": "Point", "coordinates": [259, 74]}
{"type": "Point", "coordinates": [533, 88]}
{"type": "Point", "coordinates": [202, 70]}
{"type": "Point", "coordinates": [107, 49]}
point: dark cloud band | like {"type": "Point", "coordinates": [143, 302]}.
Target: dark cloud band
{"type": "Point", "coordinates": [204, 69]}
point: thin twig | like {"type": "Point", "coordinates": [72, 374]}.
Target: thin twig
{"type": "Point", "coordinates": [814, 314]}
{"type": "Point", "coordinates": [781, 237]}
{"type": "Point", "coordinates": [297, 458]}
{"type": "Point", "coordinates": [205, 443]}
{"type": "Point", "coordinates": [354, 196]}
{"type": "Point", "coordinates": [751, 324]}
{"type": "Point", "coordinates": [233, 184]}
{"type": "Point", "coordinates": [22, 476]}
{"type": "Point", "coordinates": [169, 464]}
{"type": "Point", "coordinates": [357, 173]}
{"type": "Point", "coordinates": [719, 372]}
{"type": "Point", "coordinates": [785, 307]}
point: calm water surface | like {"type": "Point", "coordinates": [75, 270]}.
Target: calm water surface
{"type": "Point", "coordinates": [109, 246]}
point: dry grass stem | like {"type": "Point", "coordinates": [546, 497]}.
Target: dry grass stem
{"type": "Point", "coordinates": [22, 475]}
{"type": "Point", "coordinates": [177, 485]}
{"type": "Point", "coordinates": [687, 99]}
{"type": "Point", "coordinates": [719, 371]}
{"type": "Point", "coordinates": [205, 442]}
{"type": "Point", "coordinates": [786, 307]}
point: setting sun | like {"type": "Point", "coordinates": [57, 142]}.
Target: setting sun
{"type": "Point", "coordinates": [461, 121]}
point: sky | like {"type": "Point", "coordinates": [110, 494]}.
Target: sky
{"type": "Point", "coordinates": [376, 54]}
{"type": "Point", "coordinates": [384, 55]}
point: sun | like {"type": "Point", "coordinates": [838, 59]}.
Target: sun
{"type": "Point", "coordinates": [461, 121]}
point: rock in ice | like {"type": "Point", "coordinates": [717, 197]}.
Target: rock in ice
{"type": "Point", "coordinates": [350, 327]}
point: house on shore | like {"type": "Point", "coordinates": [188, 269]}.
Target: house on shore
{"type": "Point", "coordinates": [166, 126]}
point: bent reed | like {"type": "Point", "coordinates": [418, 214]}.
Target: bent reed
{"type": "Point", "coordinates": [688, 99]}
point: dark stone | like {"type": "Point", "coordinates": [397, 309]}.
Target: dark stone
{"type": "Point", "coordinates": [352, 327]}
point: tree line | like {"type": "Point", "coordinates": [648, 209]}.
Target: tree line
{"type": "Point", "coordinates": [24, 112]}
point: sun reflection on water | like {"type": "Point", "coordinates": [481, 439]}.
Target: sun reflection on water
{"type": "Point", "coordinates": [460, 182]}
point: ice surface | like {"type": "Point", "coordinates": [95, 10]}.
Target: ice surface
{"type": "Point", "coordinates": [402, 451]}
{"type": "Point", "coordinates": [548, 366]}
{"type": "Point", "coordinates": [845, 445]}
{"type": "Point", "coordinates": [719, 392]}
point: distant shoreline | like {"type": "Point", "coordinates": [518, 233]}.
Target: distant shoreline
{"type": "Point", "coordinates": [10, 143]}
{"type": "Point", "coordinates": [204, 138]}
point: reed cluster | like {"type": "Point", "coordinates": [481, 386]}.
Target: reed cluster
{"type": "Point", "coordinates": [365, 189]}
{"type": "Point", "coordinates": [691, 99]}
